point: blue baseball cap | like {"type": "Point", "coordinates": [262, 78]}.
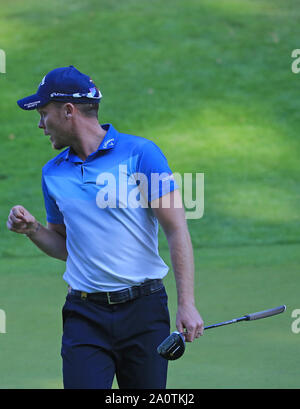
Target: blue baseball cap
{"type": "Point", "coordinates": [65, 84]}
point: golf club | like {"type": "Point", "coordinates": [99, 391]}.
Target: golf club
{"type": "Point", "coordinates": [173, 346]}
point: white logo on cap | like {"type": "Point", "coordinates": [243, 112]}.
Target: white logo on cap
{"type": "Point", "coordinates": [32, 104]}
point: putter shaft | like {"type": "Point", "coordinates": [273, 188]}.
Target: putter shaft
{"type": "Point", "coordinates": [250, 317]}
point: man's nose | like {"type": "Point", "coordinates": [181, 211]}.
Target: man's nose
{"type": "Point", "coordinates": [41, 124]}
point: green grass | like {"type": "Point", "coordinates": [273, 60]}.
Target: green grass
{"type": "Point", "coordinates": [211, 84]}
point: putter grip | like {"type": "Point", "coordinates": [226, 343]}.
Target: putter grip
{"type": "Point", "coordinates": [266, 313]}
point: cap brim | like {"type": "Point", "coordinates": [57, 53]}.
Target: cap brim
{"type": "Point", "coordinates": [32, 102]}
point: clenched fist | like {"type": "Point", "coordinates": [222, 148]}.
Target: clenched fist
{"type": "Point", "coordinates": [21, 221]}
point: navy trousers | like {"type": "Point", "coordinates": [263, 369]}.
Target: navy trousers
{"type": "Point", "coordinates": [102, 341]}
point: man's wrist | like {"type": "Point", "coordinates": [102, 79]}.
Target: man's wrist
{"type": "Point", "coordinates": [186, 303]}
{"type": "Point", "coordinates": [37, 226]}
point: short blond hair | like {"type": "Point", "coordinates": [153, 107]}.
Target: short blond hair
{"type": "Point", "coordinates": [88, 110]}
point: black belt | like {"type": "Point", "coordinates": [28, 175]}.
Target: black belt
{"type": "Point", "coordinates": [116, 297]}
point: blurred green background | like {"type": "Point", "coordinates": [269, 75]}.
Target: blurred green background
{"type": "Point", "coordinates": [211, 83]}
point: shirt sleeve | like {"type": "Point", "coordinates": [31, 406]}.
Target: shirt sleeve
{"type": "Point", "coordinates": [53, 213]}
{"type": "Point", "coordinates": [154, 173]}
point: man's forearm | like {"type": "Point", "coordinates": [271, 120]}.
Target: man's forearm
{"type": "Point", "coordinates": [49, 241]}
{"type": "Point", "coordinates": [182, 258]}
{"type": "Point", "coordinates": [173, 222]}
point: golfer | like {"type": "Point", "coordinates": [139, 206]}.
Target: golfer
{"type": "Point", "coordinates": [104, 197]}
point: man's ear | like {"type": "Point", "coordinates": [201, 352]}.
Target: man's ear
{"type": "Point", "coordinates": [68, 110]}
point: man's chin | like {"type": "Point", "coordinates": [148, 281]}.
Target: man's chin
{"type": "Point", "coordinates": [57, 146]}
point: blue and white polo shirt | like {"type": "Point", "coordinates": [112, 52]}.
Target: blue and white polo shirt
{"type": "Point", "coordinates": [103, 201]}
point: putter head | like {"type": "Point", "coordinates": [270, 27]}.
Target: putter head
{"type": "Point", "coordinates": [172, 347]}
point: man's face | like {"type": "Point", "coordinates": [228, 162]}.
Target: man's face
{"type": "Point", "coordinates": [52, 120]}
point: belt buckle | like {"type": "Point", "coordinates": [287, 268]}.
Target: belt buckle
{"type": "Point", "coordinates": [109, 299]}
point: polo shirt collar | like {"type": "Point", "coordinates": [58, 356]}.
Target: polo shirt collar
{"type": "Point", "coordinates": [108, 142]}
